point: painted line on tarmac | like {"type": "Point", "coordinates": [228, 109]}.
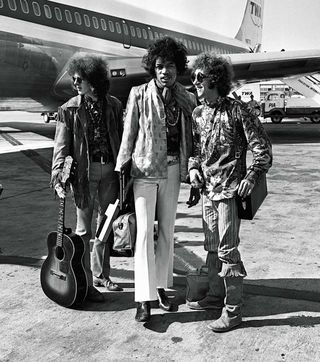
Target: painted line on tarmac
{"type": "Point", "coordinates": [13, 141]}
{"type": "Point", "coordinates": [32, 154]}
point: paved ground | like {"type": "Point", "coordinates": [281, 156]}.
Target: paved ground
{"type": "Point", "coordinates": [280, 249]}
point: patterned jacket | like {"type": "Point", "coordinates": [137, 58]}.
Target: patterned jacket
{"type": "Point", "coordinates": [144, 136]}
{"type": "Point", "coordinates": [222, 135]}
{"type": "Point", "coordinates": [71, 138]}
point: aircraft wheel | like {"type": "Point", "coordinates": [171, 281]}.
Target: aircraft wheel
{"type": "Point", "coordinates": [46, 118]}
{"type": "Point", "coordinates": [315, 118]}
{"type": "Point", "coordinates": [276, 118]}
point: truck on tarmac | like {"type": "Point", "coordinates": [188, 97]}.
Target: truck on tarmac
{"type": "Point", "coordinates": [278, 105]}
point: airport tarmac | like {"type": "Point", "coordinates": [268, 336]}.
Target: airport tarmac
{"type": "Point", "coordinates": [280, 250]}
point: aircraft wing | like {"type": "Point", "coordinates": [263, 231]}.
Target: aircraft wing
{"type": "Point", "coordinates": [250, 67]}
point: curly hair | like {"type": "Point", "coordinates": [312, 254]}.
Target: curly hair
{"type": "Point", "coordinates": [169, 50]}
{"type": "Point", "coordinates": [218, 69]}
{"type": "Point", "coordinates": [93, 69]}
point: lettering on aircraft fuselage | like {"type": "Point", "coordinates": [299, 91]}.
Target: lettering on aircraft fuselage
{"type": "Point", "coordinates": [246, 93]}
{"type": "Point", "coordinates": [256, 13]}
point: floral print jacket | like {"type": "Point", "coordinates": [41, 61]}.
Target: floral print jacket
{"type": "Point", "coordinates": [222, 134]}
{"type": "Point", "coordinates": [144, 136]}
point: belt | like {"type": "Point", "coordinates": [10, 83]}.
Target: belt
{"type": "Point", "coordinates": [103, 159]}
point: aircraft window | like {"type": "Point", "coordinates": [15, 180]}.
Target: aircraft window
{"type": "Point", "coordinates": [103, 24]}
{"type": "Point", "coordinates": [24, 6]}
{"type": "Point", "coordinates": [139, 32]}
{"type": "Point", "coordinates": [86, 20]}
{"type": "Point", "coordinates": [77, 16]}
{"type": "Point", "coordinates": [118, 27]}
{"type": "Point", "coordinates": [47, 11]}
{"type": "Point", "coordinates": [185, 42]}
{"type": "Point", "coordinates": [111, 26]}
{"type": "Point", "coordinates": [12, 5]}
{"type": "Point", "coordinates": [57, 12]}
{"type": "Point", "coordinates": [161, 35]}
{"type": "Point", "coordinates": [201, 47]}
{"type": "Point", "coordinates": [156, 35]}
{"type": "Point", "coordinates": [150, 34]}
{"type": "Point", "coordinates": [68, 16]}
{"type": "Point", "coordinates": [95, 22]}
{"type": "Point", "coordinates": [132, 30]}
{"type": "Point", "coordinates": [189, 44]}
{"type": "Point", "coordinates": [36, 8]}
{"type": "Point", "coordinates": [125, 28]}
{"type": "Point", "coordinates": [1, 4]}
{"type": "Point", "coordinates": [144, 33]}
{"type": "Point", "coordinates": [198, 46]}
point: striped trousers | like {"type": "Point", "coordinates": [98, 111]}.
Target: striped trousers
{"type": "Point", "coordinates": [221, 226]}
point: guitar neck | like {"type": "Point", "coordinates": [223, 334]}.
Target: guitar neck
{"type": "Point", "coordinates": [60, 227]}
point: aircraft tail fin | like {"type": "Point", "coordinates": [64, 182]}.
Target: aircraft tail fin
{"type": "Point", "coordinates": [250, 31]}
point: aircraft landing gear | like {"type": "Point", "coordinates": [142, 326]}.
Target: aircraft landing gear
{"type": "Point", "coordinates": [48, 116]}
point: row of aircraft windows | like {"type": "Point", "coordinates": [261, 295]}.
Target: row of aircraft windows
{"type": "Point", "coordinates": [135, 31]}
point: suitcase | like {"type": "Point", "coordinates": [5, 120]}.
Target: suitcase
{"type": "Point", "coordinates": [197, 284]}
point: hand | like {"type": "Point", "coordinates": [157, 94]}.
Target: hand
{"type": "Point", "coordinates": [194, 197]}
{"type": "Point", "coordinates": [245, 188]}
{"type": "Point", "coordinates": [60, 190]}
{"type": "Point", "coordinates": [196, 179]}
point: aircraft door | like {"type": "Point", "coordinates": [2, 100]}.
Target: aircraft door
{"type": "Point", "coordinates": [126, 36]}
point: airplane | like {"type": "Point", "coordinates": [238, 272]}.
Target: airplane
{"type": "Point", "coordinates": [38, 38]}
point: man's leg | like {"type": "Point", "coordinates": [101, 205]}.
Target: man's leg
{"type": "Point", "coordinates": [145, 196]}
{"type": "Point", "coordinates": [167, 200]}
{"type": "Point", "coordinates": [232, 270]}
{"type": "Point", "coordinates": [216, 293]}
{"type": "Point", "coordinates": [83, 228]}
{"type": "Point", "coordinates": [108, 188]}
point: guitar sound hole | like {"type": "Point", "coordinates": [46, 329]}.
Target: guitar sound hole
{"type": "Point", "coordinates": [59, 252]}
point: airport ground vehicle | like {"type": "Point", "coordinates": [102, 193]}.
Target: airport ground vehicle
{"type": "Point", "coordinates": [278, 105]}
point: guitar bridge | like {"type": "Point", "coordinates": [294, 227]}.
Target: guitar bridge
{"type": "Point", "coordinates": [59, 276]}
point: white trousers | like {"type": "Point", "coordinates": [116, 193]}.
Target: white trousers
{"type": "Point", "coordinates": [153, 266]}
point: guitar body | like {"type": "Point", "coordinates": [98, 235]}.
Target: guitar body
{"type": "Point", "coordinates": [63, 277]}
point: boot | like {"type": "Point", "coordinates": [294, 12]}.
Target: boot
{"type": "Point", "coordinates": [216, 293]}
{"type": "Point", "coordinates": [164, 302]}
{"type": "Point", "coordinates": [143, 312]}
{"type": "Point", "coordinates": [231, 313]}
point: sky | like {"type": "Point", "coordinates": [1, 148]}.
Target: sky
{"type": "Point", "coordinates": [288, 24]}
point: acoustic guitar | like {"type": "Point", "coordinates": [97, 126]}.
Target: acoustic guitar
{"type": "Point", "coordinates": [63, 277]}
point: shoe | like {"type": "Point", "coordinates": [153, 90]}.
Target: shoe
{"type": "Point", "coordinates": [226, 322]}
{"type": "Point", "coordinates": [204, 304]}
{"type": "Point", "coordinates": [107, 283]}
{"type": "Point", "coordinates": [93, 295]}
{"type": "Point", "coordinates": [143, 312]}
{"type": "Point", "coordinates": [164, 302]}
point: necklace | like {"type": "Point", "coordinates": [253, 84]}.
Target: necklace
{"type": "Point", "coordinates": [172, 115]}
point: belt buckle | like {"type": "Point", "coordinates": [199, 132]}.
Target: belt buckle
{"type": "Point", "coordinates": [102, 160]}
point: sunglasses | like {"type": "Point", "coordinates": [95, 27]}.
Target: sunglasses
{"type": "Point", "coordinates": [77, 80]}
{"type": "Point", "coordinates": [199, 77]}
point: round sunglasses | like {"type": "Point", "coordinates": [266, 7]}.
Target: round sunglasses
{"type": "Point", "coordinates": [77, 80]}
{"type": "Point", "coordinates": [199, 77]}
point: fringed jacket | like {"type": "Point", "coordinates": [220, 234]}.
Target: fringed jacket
{"type": "Point", "coordinates": [71, 138]}
{"type": "Point", "coordinates": [222, 134]}
{"type": "Point", "coordinates": [144, 136]}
